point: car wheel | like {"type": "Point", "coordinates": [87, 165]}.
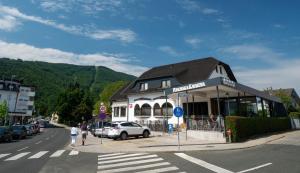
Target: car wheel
{"type": "Point", "coordinates": [146, 134]}
{"type": "Point", "coordinates": [123, 136]}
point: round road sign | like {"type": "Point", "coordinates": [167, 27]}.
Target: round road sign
{"type": "Point", "coordinates": [178, 112]}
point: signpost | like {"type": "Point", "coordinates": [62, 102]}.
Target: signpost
{"type": "Point", "coordinates": [102, 116]}
{"type": "Point", "coordinates": [178, 112]}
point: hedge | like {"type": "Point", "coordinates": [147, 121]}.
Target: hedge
{"type": "Point", "coordinates": [244, 127]}
{"type": "Point", "coordinates": [294, 115]}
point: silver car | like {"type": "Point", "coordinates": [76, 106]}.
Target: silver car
{"type": "Point", "coordinates": [98, 130]}
{"type": "Point", "coordinates": [123, 130]}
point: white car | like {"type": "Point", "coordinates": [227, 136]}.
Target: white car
{"type": "Point", "coordinates": [98, 130]}
{"type": "Point", "coordinates": [123, 130]}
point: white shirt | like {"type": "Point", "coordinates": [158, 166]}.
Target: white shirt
{"type": "Point", "coordinates": [74, 131]}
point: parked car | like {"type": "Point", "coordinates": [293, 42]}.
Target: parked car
{"type": "Point", "coordinates": [5, 134]}
{"type": "Point", "coordinates": [36, 128]}
{"type": "Point", "coordinates": [123, 130]}
{"type": "Point", "coordinates": [98, 130]}
{"type": "Point", "coordinates": [19, 131]}
{"type": "Point", "coordinates": [29, 130]}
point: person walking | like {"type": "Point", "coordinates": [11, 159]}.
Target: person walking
{"type": "Point", "coordinates": [84, 132]}
{"type": "Point", "coordinates": [74, 133]}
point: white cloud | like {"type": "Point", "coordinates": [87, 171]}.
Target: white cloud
{"type": "Point", "coordinates": [193, 41]}
{"type": "Point", "coordinates": [31, 53]}
{"type": "Point", "coordinates": [193, 6]}
{"type": "Point", "coordinates": [210, 11]}
{"type": "Point", "coordinates": [8, 23]}
{"type": "Point", "coordinates": [279, 71]}
{"type": "Point", "coordinates": [169, 50]}
{"type": "Point", "coordinates": [282, 75]}
{"type": "Point", "coordinates": [279, 26]}
{"type": "Point", "coordinates": [124, 35]}
{"type": "Point", "coordinates": [85, 6]}
{"type": "Point", "coordinates": [254, 51]}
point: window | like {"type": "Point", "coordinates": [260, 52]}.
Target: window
{"type": "Point", "coordinates": [166, 83]}
{"type": "Point", "coordinates": [1, 86]}
{"type": "Point", "coordinates": [116, 111]}
{"type": "Point", "coordinates": [30, 107]}
{"type": "Point", "coordinates": [143, 86]}
{"type": "Point", "coordinates": [156, 110]}
{"type": "Point", "coordinates": [146, 110]}
{"type": "Point", "coordinates": [137, 110]}
{"type": "Point", "coordinates": [169, 108]}
{"type": "Point", "coordinates": [217, 69]}
{"type": "Point", "coordinates": [126, 124]}
{"type": "Point", "coordinates": [221, 70]}
{"type": "Point", "coordinates": [123, 112]}
{"type": "Point", "coordinates": [31, 98]}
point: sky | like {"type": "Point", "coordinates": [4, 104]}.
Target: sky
{"type": "Point", "coordinates": [260, 40]}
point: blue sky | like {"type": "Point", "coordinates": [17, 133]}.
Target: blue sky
{"type": "Point", "coordinates": [260, 40]}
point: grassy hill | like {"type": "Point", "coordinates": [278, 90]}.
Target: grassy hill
{"type": "Point", "coordinates": [50, 78]}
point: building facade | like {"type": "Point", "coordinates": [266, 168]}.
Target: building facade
{"type": "Point", "coordinates": [202, 87]}
{"type": "Point", "coordinates": [19, 99]}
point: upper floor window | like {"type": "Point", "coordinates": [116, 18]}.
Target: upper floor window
{"type": "Point", "coordinates": [143, 86]}
{"type": "Point", "coordinates": [221, 70]}
{"type": "Point", "coordinates": [116, 111]}
{"type": "Point", "coordinates": [217, 70]}
{"type": "Point", "coordinates": [166, 83]}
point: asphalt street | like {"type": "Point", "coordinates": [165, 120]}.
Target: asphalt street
{"type": "Point", "coordinates": [45, 153]}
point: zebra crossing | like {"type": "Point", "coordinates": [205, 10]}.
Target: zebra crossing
{"type": "Point", "coordinates": [40, 154]}
{"type": "Point", "coordinates": [134, 162]}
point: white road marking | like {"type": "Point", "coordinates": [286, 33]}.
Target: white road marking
{"type": "Point", "coordinates": [73, 152]}
{"type": "Point", "coordinates": [4, 155]}
{"type": "Point", "coordinates": [22, 148]}
{"type": "Point", "coordinates": [16, 157]}
{"type": "Point", "coordinates": [38, 155]}
{"type": "Point", "coordinates": [167, 169]}
{"type": "Point", "coordinates": [57, 153]}
{"type": "Point", "coordinates": [204, 164]}
{"type": "Point", "coordinates": [38, 142]}
{"type": "Point", "coordinates": [134, 168]}
{"type": "Point", "coordinates": [108, 155]}
{"type": "Point", "coordinates": [257, 167]}
{"type": "Point", "coordinates": [122, 156]}
{"type": "Point", "coordinates": [127, 159]}
{"type": "Point", "coordinates": [129, 163]}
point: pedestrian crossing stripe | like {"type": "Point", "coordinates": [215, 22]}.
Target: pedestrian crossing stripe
{"type": "Point", "coordinates": [37, 155]}
{"type": "Point", "coordinates": [134, 162]}
{"type": "Point", "coordinates": [4, 155]}
{"type": "Point", "coordinates": [18, 156]}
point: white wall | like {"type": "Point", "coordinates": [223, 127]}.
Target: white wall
{"type": "Point", "coordinates": [214, 74]}
{"type": "Point", "coordinates": [132, 103]}
{"type": "Point", "coordinates": [23, 100]}
{"type": "Point", "coordinates": [10, 97]}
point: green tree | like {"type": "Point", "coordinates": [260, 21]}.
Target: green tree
{"type": "Point", "coordinates": [285, 98]}
{"type": "Point", "coordinates": [105, 95]}
{"type": "Point", "coordinates": [3, 110]}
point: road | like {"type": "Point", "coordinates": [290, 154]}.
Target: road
{"type": "Point", "coordinates": [45, 153]}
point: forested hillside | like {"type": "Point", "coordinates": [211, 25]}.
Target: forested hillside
{"type": "Point", "coordinates": [50, 79]}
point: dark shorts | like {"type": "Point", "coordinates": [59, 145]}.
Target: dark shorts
{"type": "Point", "coordinates": [84, 136]}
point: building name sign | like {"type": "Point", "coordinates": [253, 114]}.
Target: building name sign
{"type": "Point", "coordinates": [189, 87]}
{"type": "Point", "coordinates": [228, 82]}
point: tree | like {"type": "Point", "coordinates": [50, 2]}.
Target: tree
{"type": "Point", "coordinates": [285, 98]}
{"type": "Point", "coordinates": [3, 111]}
{"type": "Point", "coordinates": [105, 95]}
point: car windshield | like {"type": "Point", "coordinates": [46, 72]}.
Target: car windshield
{"type": "Point", "coordinates": [114, 125]}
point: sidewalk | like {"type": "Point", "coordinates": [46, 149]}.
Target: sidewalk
{"type": "Point", "coordinates": [166, 143]}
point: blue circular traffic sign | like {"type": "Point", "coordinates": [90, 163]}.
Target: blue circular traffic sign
{"type": "Point", "coordinates": [178, 112]}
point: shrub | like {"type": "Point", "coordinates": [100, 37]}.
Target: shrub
{"type": "Point", "coordinates": [294, 115]}
{"type": "Point", "coordinates": [245, 127]}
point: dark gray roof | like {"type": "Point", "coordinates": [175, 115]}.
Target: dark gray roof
{"type": "Point", "coordinates": [187, 72]}
{"type": "Point", "coordinates": [184, 72]}
{"type": "Point", "coordinates": [288, 91]}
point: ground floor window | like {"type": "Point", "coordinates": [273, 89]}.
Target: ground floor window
{"type": "Point", "coordinates": [167, 108]}
{"type": "Point", "coordinates": [197, 109]}
{"type": "Point", "coordinates": [157, 110]}
{"type": "Point", "coordinates": [116, 111]}
{"type": "Point", "coordinates": [137, 110]}
{"type": "Point", "coordinates": [123, 111]}
{"type": "Point", "coordinates": [146, 110]}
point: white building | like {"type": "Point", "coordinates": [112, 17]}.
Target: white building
{"type": "Point", "coordinates": [19, 98]}
{"type": "Point", "coordinates": [201, 87]}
